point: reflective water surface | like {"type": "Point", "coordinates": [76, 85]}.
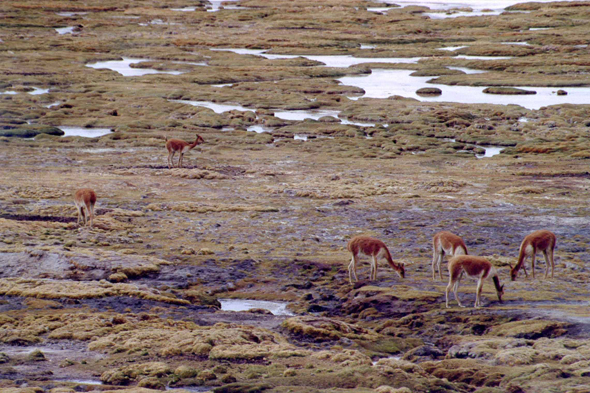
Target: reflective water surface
{"type": "Point", "coordinates": [277, 308]}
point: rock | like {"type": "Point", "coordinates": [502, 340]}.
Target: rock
{"type": "Point", "coordinates": [201, 349]}
{"type": "Point", "coordinates": [205, 251]}
{"type": "Point", "coordinates": [422, 353]}
{"type": "Point", "coordinates": [508, 91]}
{"type": "Point", "coordinates": [185, 372]}
{"type": "Point", "coordinates": [561, 92]}
{"type": "Point", "coordinates": [260, 311]}
{"type": "Point", "coordinates": [31, 131]}
{"type": "Point", "coordinates": [207, 375]}
{"type": "Point", "coordinates": [4, 358]}
{"type": "Point", "coordinates": [530, 329]}
{"type": "Point", "coordinates": [36, 356]}
{"type": "Point", "coordinates": [151, 383]}
{"type": "Point", "coordinates": [515, 357]}
{"type": "Point", "coordinates": [228, 378]}
{"type": "Point", "coordinates": [389, 389]}
{"type": "Point", "coordinates": [328, 119]}
{"type": "Point", "coordinates": [118, 277]}
{"type": "Point", "coordinates": [429, 91]}
{"type": "Point", "coordinates": [241, 388]}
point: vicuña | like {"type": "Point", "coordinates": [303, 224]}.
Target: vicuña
{"type": "Point", "coordinates": [178, 145]}
{"type": "Point", "coordinates": [374, 248]}
{"type": "Point", "coordinates": [474, 267]}
{"type": "Point", "coordinates": [542, 240]}
{"type": "Point", "coordinates": [85, 198]}
{"type": "Point", "coordinates": [445, 243]}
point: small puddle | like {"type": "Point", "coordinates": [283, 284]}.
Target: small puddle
{"type": "Point", "coordinates": [82, 381]}
{"type": "Point", "coordinates": [490, 151]}
{"type": "Point", "coordinates": [65, 30]}
{"type": "Point", "coordinates": [316, 114]}
{"type": "Point", "coordinates": [34, 92]}
{"type": "Point", "coordinates": [105, 150]}
{"type": "Point", "coordinates": [380, 10]}
{"type": "Point", "coordinates": [38, 91]}
{"type": "Point", "coordinates": [515, 43]}
{"type": "Point", "coordinates": [185, 9]}
{"type": "Point", "coordinates": [217, 4]}
{"type": "Point", "coordinates": [259, 129]}
{"type": "Point", "coordinates": [469, 57]}
{"type": "Point", "coordinates": [300, 115]}
{"type": "Point", "coordinates": [124, 68]}
{"type": "Point", "coordinates": [276, 308]}
{"type": "Point", "coordinates": [218, 108]}
{"type": "Point", "coordinates": [452, 48]}
{"type": "Point", "coordinates": [85, 132]}
{"type": "Point", "coordinates": [71, 13]}
{"type": "Point", "coordinates": [390, 357]}
{"type": "Point", "coordinates": [467, 70]}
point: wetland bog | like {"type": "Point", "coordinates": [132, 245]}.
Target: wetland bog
{"type": "Point", "coordinates": [230, 274]}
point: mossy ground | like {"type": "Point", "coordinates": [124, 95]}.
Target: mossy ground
{"type": "Point", "coordinates": [133, 301]}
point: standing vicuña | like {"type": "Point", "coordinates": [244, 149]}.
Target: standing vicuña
{"type": "Point", "coordinates": [85, 198]}
{"type": "Point", "coordinates": [542, 240]}
{"type": "Point", "coordinates": [177, 145]}
{"type": "Point", "coordinates": [445, 243]}
{"type": "Point", "coordinates": [474, 267]}
{"type": "Point", "coordinates": [374, 248]}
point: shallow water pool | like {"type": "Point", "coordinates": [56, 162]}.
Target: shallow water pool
{"type": "Point", "coordinates": [277, 308]}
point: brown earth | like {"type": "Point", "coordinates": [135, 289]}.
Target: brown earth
{"type": "Point", "coordinates": [133, 303]}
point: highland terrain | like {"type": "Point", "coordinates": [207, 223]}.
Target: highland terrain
{"type": "Point", "coordinates": [134, 303]}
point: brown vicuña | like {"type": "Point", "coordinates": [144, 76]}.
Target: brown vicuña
{"type": "Point", "coordinates": [85, 198]}
{"type": "Point", "coordinates": [541, 240]}
{"type": "Point", "coordinates": [445, 243]}
{"type": "Point", "coordinates": [178, 145]}
{"type": "Point", "coordinates": [374, 248]}
{"type": "Point", "coordinates": [474, 267]}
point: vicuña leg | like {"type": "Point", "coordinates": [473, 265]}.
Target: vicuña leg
{"type": "Point", "coordinates": [533, 255]}
{"type": "Point", "coordinates": [478, 292]}
{"type": "Point", "coordinates": [457, 289]}
{"type": "Point", "coordinates": [548, 259]}
{"type": "Point", "coordinates": [91, 214]}
{"type": "Point", "coordinates": [374, 269]}
{"type": "Point", "coordinates": [447, 291]}
{"type": "Point", "coordinates": [439, 262]}
{"type": "Point", "coordinates": [436, 264]}
{"type": "Point", "coordinates": [170, 160]}
{"type": "Point", "coordinates": [180, 159]}
{"type": "Point", "coordinates": [352, 269]}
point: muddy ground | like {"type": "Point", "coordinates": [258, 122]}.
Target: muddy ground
{"type": "Point", "coordinates": [133, 303]}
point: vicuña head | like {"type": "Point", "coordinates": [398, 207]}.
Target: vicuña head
{"type": "Point", "coordinates": [375, 249]}
{"type": "Point", "coordinates": [178, 145]}
{"type": "Point", "coordinates": [543, 241]}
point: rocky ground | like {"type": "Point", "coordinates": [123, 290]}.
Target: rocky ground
{"type": "Point", "coordinates": [133, 303]}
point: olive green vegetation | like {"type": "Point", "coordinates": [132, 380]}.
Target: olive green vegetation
{"type": "Point", "coordinates": [135, 302]}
